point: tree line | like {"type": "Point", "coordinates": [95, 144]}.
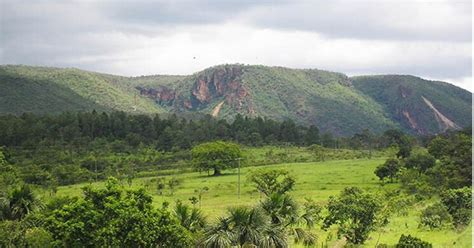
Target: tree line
{"type": "Point", "coordinates": [172, 132]}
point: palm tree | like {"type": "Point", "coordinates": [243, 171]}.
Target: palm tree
{"type": "Point", "coordinates": [245, 227]}
{"type": "Point", "coordinates": [283, 211]}
{"type": "Point", "coordinates": [281, 208]}
{"type": "Point", "coordinates": [274, 236]}
{"type": "Point", "coordinates": [220, 235]}
{"type": "Point", "coordinates": [18, 203]}
{"type": "Point", "coordinates": [249, 224]}
{"type": "Point", "coordinates": [190, 218]}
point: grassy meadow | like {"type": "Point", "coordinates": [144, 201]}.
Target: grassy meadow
{"type": "Point", "coordinates": [315, 180]}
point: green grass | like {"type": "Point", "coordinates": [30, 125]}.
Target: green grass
{"type": "Point", "coordinates": [316, 180]}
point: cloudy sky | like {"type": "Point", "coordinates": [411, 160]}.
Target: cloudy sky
{"type": "Point", "coordinates": [428, 38]}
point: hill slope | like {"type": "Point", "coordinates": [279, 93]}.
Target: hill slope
{"type": "Point", "coordinates": [332, 101]}
{"type": "Point", "coordinates": [417, 104]}
{"type": "Point", "coordinates": [54, 90]}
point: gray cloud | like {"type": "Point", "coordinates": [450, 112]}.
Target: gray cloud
{"type": "Point", "coordinates": [426, 38]}
{"type": "Point", "coordinates": [371, 19]}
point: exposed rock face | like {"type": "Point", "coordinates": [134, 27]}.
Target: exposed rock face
{"type": "Point", "coordinates": [219, 82]}
{"type": "Point", "coordinates": [163, 95]}
{"type": "Point", "coordinates": [211, 84]}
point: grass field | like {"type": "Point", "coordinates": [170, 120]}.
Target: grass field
{"type": "Point", "coordinates": [316, 180]}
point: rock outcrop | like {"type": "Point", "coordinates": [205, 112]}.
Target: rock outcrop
{"type": "Point", "coordinates": [223, 82]}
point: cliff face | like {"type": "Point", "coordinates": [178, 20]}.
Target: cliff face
{"type": "Point", "coordinates": [215, 83]}
{"type": "Point", "coordinates": [163, 95]}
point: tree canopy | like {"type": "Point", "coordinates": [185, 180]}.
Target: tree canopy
{"type": "Point", "coordinates": [217, 155]}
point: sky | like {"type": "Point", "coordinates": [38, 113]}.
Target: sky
{"type": "Point", "coordinates": [431, 39]}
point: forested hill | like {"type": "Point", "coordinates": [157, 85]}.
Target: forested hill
{"type": "Point", "coordinates": [332, 101]}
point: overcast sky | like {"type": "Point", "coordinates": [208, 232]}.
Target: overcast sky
{"type": "Point", "coordinates": [431, 39]}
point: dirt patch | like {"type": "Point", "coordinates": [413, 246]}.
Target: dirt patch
{"type": "Point", "coordinates": [444, 121]}
{"type": "Point", "coordinates": [217, 109]}
{"type": "Point", "coordinates": [410, 120]}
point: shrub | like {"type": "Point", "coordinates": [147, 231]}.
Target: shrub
{"type": "Point", "coordinates": [435, 216]}
{"type": "Point", "coordinates": [412, 242]}
{"type": "Point", "coordinates": [458, 204]}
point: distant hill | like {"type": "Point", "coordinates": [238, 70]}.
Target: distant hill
{"type": "Point", "coordinates": [416, 104]}
{"type": "Point", "coordinates": [332, 101]}
{"type": "Point", "coordinates": [54, 90]}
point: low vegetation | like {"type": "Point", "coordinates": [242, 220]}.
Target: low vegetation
{"type": "Point", "coordinates": [124, 186]}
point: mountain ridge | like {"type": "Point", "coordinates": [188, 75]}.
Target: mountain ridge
{"type": "Point", "coordinates": [330, 100]}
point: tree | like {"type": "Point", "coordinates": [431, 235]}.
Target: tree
{"type": "Point", "coordinates": [421, 162]}
{"type": "Point", "coordinates": [244, 227]}
{"type": "Point", "coordinates": [271, 182]}
{"type": "Point", "coordinates": [312, 136]}
{"type": "Point", "coordinates": [404, 147]}
{"type": "Point", "coordinates": [389, 169]}
{"type": "Point", "coordinates": [411, 242]}
{"type": "Point", "coordinates": [455, 167]}
{"type": "Point", "coordinates": [355, 212]}
{"type": "Point", "coordinates": [216, 156]}
{"type": "Point", "coordinates": [281, 208]}
{"type": "Point", "coordinates": [114, 217]}
{"type": "Point", "coordinates": [190, 218]}
{"type": "Point", "coordinates": [438, 147]}
{"type": "Point", "coordinates": [458, 202]}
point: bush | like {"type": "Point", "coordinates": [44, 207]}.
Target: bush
{"type": "Point", "coordinates": [412, 242]}
{"type": "Point", "coordinates": [458, 204]}
{"type": "Point", "coordinates": [435, 216]}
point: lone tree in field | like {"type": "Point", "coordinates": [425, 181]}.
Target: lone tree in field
{"type": "Point", "coordinates": [271, 182]}
{"type": "Point", "coordinates": [216, 156]}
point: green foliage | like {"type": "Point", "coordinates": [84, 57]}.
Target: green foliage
{"type": "Point", "coordinates": [454, 169]}
{"type": "Point", "coordinates": [115, 217]}
{"type": "Point", "coordinates": [417, 184]}
{"type": "Point", "coordinates": [15, 231]}
{"type": "Point", "coordinates": [458, 202]}
{"type": "Point", "coordinates": [389, 169]}
{"type": "Point", "coordinates": [420, 161]}
{"type": "Point", "coordinates": [405, 147]}
{"type": "Point", "coordinates": [38, 237]}
{"type": "Point", "coordinates": [408, 241]}
{"type": "Point", "coordinates": [190, 218]}
{"type": "Point", "coordinates": [19, 202]}
{"type": "Point", "coordinates": [355, 212]}
{"type": "Point", "coordinates": [245, 227]}
{"type": "Point", "coordinates": [272, 182]}
{"type": "Point", "coordinates": [216, 156]}
{"type": "Point", "coordinates": [435, 216]}
{"type": "Point", "coordinates": [438, 147]}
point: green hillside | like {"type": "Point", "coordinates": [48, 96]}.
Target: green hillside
{"type": "Point", "coordinates": [310, 97]}
{"type": "Point", "coordinates": [407, 100]}
{"type": "Point", "coordinates": [332, 101]}
{"type": "Point", "coordinates": [54, 90]}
